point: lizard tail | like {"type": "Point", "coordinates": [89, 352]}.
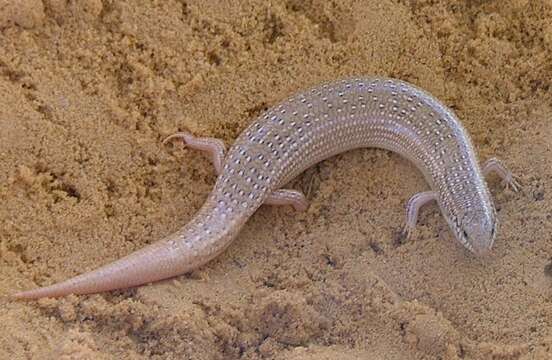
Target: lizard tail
{"type": "Point", "coordinates": [143, 266]}
{"type": "Point", "coordinates": [181, 252]}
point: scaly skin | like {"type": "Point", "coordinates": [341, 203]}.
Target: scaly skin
{"type": "Point", "coordinates": [296, 134]}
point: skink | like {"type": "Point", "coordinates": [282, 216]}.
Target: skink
{"type": "Point", "coordinates": [296, 134]}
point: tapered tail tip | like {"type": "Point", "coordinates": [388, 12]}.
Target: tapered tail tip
{"type": "Point", "coordinates": [22, 295]}
{"type": "Point", "coordinates": [34, 294]}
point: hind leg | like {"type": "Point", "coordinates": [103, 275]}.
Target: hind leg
{"type": "Point", "coordinates": [215, 148]}
{"type": "Point", "coordinates": [288, 197]}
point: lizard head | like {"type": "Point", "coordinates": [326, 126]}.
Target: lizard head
{"type": "Point", "coordinates": [477, 230]}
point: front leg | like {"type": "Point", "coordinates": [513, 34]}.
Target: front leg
{"type": "Point", "coordinates": [413, 208]}
{"type": "Point", "coordinates": [495, 165]}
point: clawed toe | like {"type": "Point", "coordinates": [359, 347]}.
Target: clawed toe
{"type": "Point", "coordinates": [514, 183]}
{"type": "Point", "coordinates": [407, 233]}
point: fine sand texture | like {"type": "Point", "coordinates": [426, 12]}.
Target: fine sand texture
{"type": "Point", "coordinates": [90, 88]}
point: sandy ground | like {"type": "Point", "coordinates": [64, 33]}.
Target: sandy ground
{"type": "Point", "coordinates": [88, 89]}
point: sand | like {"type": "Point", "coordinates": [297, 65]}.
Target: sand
{"type": "Point", "coordinates": [88, 90]}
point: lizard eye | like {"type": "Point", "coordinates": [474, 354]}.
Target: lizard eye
{"type": "Point", "coordinates": [465, 234]}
